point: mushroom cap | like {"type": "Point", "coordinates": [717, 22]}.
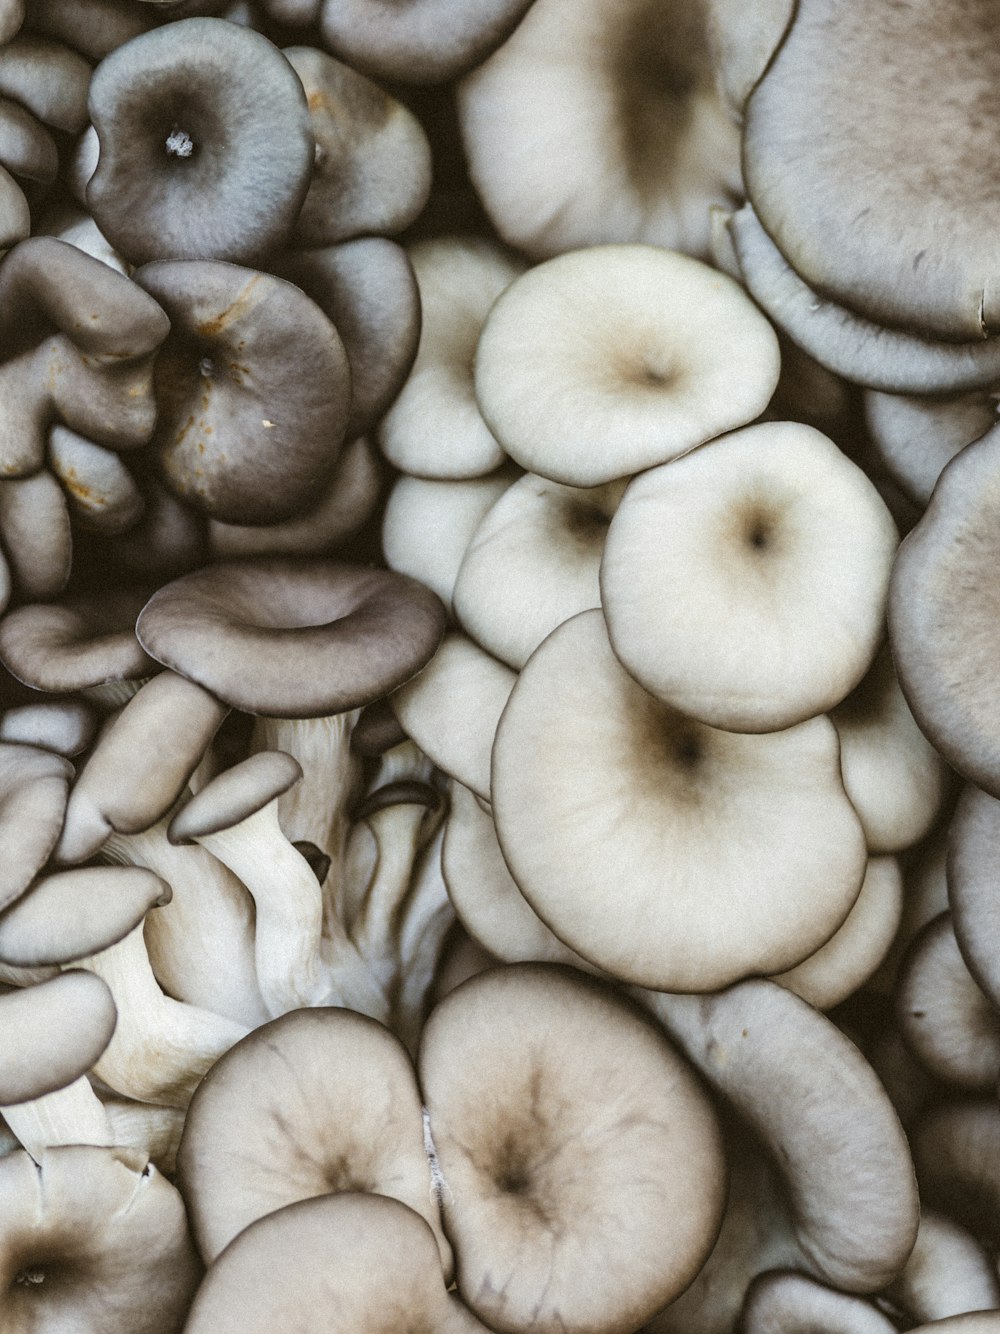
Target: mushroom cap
{"type": "Point", "coordinates": [235, 794]}
{"type": "Point", "coordinates": [367, 287]}
{"type": "Point", "coordinates": [342, 1263]}
{"type": "Point", "coordinates": [943, 615]}
{"type": "Point", "coordinates": [102, 493]}
{"type": "Point", "coordinates": [973, 875]}
{"type": "Point", "coordinates": [893, 775]}
{"type": "Point", "coordinates": [52, 1033]}
{"type": "Point", "coordinates": [623, 98]}
{"type": "Point", "coordinates": [66, 726]}
{"type": "Point", "coordinates": [372, 170]}
{"type": "Point", "coordinates": [434, 428]}
{"type": "Point", "coordinates": [865, 352]}
{"type": "Point", "coordinates": [626, 824]}
{"type": "Point", "coordinates": [820, 1110]}
{"type": "Point", "coordinates": [532, 563]}
{"type": "Point", "coordinates": [916, 436]}
{"type": "Point", "coordinates": [321, 1101]}
{"type": "Point", "coordinates": [33, 787]}
{"type": "Point", "coordinates": [782, 1302]}
{"type": "Point", "coordinates": [140, 764]}
{"type": "Point", "coordinates": [605, 361]}
{"type": "Point", "coordinates": [427, 42]}
{"type": "Point", "coordinates": [429, 522]}
{"type": "Point", "coordinates": [948, 1272]}
{"type": "Point", "coordinates": [583, 1163]}
{"type": "Point", "coordinates": [87, 639]}
{"type": "Point", "coordinates": [855, 951]}
{"type": "Point", "coordinates": [946, 1021]}
{"type": "Point", "coordinates": [93, 1238]}
{"type": "Point", "coordinates": [253, 386]}
{"type": "Point", "coordinates": [451, 709]}
{"type": "Point", "coordinates": [48, 78]}
{"type": "Point", "coordinates": [36, 534]}
{"type": "Point", "coordinates": [293, 639]}
{"type": "Point", "coordinates": [71, 914]}
{"type": "Point", "coordinates": [745, 584]}
{"type": "Point", "coordinates": [841, 129]}
{"type": "Point", "coordinates": [956, 1148]}
{"type": "Point", "coordinates": [206, 144]}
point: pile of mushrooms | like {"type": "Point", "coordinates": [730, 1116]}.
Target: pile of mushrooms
{"type": "Point", "coordinates": [499, 763]}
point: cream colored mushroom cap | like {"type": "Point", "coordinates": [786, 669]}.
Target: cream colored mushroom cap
{"type": "Point", "coordinates": [605, 361]}
{"type": "Point", "coordinates": [582, 1161]}
{"type": "Point", "coordinates": [746, 584]}
{"type": "Point", "coordinates": [669, 853]}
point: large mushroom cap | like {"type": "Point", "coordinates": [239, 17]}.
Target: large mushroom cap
{"type": "Point", "coordinates": [52, 1033]}
{"type": "Point", "coordinates": [293, 639]}
{"type": "Point", "coordinates": [745, 584]}
{"type": "Point", "coordinates": [318, 1102]}
{"type": "Point", "coordinates": [627, 825]}
{"type": "Point", "coordinates": [870, 157]}
{"type": "Point", "coordinates": [206, 146]}
{"type": "Point", "coordinates": [583, 1169]}
{"type": "Point", "coordinates": [92, 1239]}
{"type": "Point", "coordinates": [604, 361]}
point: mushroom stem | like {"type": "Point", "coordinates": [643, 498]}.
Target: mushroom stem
{"type": "Point", "coordinates": [161, 1047]}
{"type": "Point", "coordinates": [289, 907]}
{"type": "Point", "coordinates": [202, 950]}
{"type": "Point", "coordinates": [70, 1115]}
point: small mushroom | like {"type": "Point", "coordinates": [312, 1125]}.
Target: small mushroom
{"type": "Point", "coordinates": [53, 1033]}
{"type": "Point", "coordinates": [781, 1302]}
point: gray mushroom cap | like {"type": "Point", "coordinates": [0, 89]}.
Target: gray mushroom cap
{"type": "Point", "coordinates": [943, 615]}
{"type": "Point", "coordinates": [253, 386]}
{"type": "Point", "coordinates": [52, 1033]}
{"type": "Point", "coordinates": [843, 130]}
{"type": "Point", "coordinates": [234, 794]}
{"type": "Point", "coordinates": [206, 145]}
{"type": "Point", "coordinates": [33, 785]}
{"type": "Point", "coordinates": [293, 639]}
{"type": "Point", "coordinates": [956, 1148]}
{"type": "Point", "coordinates": [973, 880]}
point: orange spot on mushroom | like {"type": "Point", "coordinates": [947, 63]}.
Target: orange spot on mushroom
{"type": "Point", "coordinates": [213, 328]}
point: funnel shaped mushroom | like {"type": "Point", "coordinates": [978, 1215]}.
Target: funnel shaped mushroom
{"type": "Point", "coordinates": [205, 144]}
{"type": "Point", "coordinates": [257, 1139]}
{"type": "Point", "coordinates": [685, 356]}
{"type": "Point", "coordinates": [847, 1171]}
{"type": "Point", "coordinates": [583, 1170]}
{"type": "Point", "coordinates": [253, 387]}
{"type": "Point", "coordinates": [293, 639]}
{"type": "Point", "coordinates": [626, 824]}
{"type": "Point", "coordinates": [825, 149]}
{"type": "Point", "coordinates": [351, 1261]}
{"type": "Point", "coordinates": [745, 584]}
{"type": "Point", "coordinates": [93, 1238]}
{"type": "Point", "coordinates": [943, 618]}
{"type": "Point", "coordinates": [624, 99]}
{"type": "Point", "coordinates": [75, 340]}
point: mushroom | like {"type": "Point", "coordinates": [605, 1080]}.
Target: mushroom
{"type": "Point", "coordinates": [318, 1102]}
{"type": "Point", "coordinates": [972, 892]}
{"type": "Point", "coordinates": [948, 1273]}
{"type": "Point", "coordinates": [916, 436]}
{"type": "Point", "coordinates": [353, 1261]}
{"type": "Point", "coordinates": [956, 1148]}
{"type": "Point", "coordinates": [253, 387]}
{"type": "Point", "coordinates": [93, 1237]}
{"type": "Point", "coordinates": [37, 539]}
{"type": "Point", "coordinates": [583, 1168]}
{"type": "Point", "coordinates": [745, 584]}
{"type": "Point", "coordinates": [53, 1033]}
{"type": "Point", "coordinates": [685, 356]}
{"type": "Point", "coordinates": [33, 790]}
{"type": "Point", "coordinates": [781, 1302]}
{"type": "Point", "coordinates": [626, 823]}
{"type": "Point", "coordinates": [625, 101]}
{"type": "Point", "coordinates": [205, 144]}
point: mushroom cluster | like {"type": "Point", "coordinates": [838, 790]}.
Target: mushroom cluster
{"type": "Point", "coordinates": [499, 771]}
